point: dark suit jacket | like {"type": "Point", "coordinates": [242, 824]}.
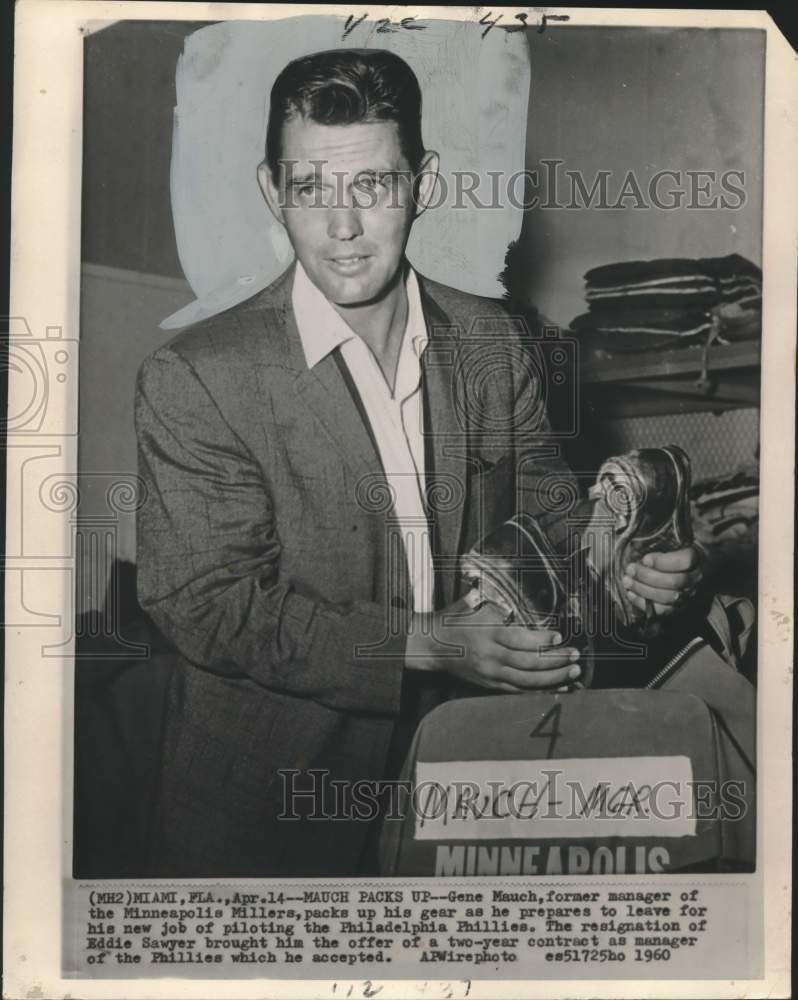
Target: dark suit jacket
{"type": "Point", "coordinates": [265, 555]}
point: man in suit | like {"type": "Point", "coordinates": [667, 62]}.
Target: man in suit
{"type": "Point", "coordinates": [316, 459]}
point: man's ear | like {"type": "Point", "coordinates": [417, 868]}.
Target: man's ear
{"type": "Point", "coordinates": [270, 191]}
{"type": "Point", "coordinates": [425, 180]}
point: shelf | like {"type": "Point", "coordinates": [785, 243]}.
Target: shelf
{"type": "Point", "coordinates": [676, 361]}
{"type": "Point", "coordinates": [660, 382]}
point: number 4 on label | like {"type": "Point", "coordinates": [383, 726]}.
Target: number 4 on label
{"type": "Point", "coordinates": [548, 728]}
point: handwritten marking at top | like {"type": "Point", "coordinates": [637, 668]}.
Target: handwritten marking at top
{"type": "Point", "coordinates": [551, 17]}
{"type": "Point", "coordinates": [384, 25]}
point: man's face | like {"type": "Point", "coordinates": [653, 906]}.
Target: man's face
{"type": "Point", "coordinates": [345, 197]}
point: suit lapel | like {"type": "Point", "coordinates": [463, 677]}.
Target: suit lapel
{"type": "Point", "coordinates": [446, 441]}
{"type": "Point", "coordinates": [321, 389]}
{"type": "Point", "coordinates": [326, 394]}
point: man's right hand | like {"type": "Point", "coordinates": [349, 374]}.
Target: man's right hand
{"type": "Point", "coordinates": [478, 647]}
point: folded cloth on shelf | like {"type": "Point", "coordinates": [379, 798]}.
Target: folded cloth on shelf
{"type": "Point", "coordinates": [632, 332]}
{"type": "Point", "coordinates": [717, 523]}
{"type": "Point", "coordinates": [725, 516]}
{"type": "Point", "coordinates": [738, 279]}
{"type": "Point", "coordinates": [740, 320]}
{"type": "Point", "coordinates": [726, 507]}
{"type": "Point", "coordinates": [725, 270]}
{"type": "Point", "coordinates": [748, 295]}
{"type": "Point", "coordinates": [697, 296]}
{"type": "Point", "coordinates": [674, 282]}
{"type": "Point", "coordinates": [614, 333]}
{"type": "Point", "coordinates": [724, 496]}
{"type": "Point", "coordinates": [658, 322]}
{"type": "Point", "coordinates": [647, 305]}
{"type": "Point", "coordinates": [740, 482]}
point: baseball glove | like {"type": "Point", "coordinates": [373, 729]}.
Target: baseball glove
{"type": "Point", "coordinates": [641, 505]}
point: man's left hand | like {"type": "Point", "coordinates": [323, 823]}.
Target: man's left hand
{"type": "Point", "coordinates": [665, 579]}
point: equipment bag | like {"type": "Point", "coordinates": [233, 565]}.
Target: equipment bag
{"type": "Point", "coordinates": [588, 782]}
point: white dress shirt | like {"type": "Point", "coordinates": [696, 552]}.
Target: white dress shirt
{"type": "Point", "coordinates": [396, 418]}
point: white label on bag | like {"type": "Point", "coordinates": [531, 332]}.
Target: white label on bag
{"type": "Point", "coordinates": [545, 799]}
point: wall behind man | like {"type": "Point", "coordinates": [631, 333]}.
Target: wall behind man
{"type": "Point", "coordinates": [131, 276]}
{"type": "Point", "coordinates": [634, 101]}
{"type": "Point", "coordinates": [639, 100]}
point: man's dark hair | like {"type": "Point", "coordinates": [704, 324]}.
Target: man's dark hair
{"type": "Point", "coordinates": [347, 87]}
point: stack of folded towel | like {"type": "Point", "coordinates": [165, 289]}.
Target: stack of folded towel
{"type": "Point", "coordinates": [728, 505]}
{"type": "Point", "coordinates": [725, 513]}
{"type": "Point", "coordinates": [637, 305]}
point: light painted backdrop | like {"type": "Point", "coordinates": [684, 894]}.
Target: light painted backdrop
{"type": "Point", "coordinates": [475, 94]}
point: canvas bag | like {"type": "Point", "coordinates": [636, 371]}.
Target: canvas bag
{"type": "Point", "coordinates": [563, 783]}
